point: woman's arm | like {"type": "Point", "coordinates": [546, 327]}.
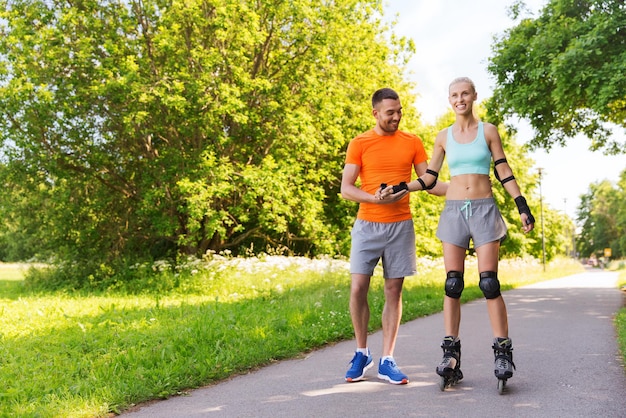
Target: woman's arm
{"type": "Point", "coordinates": [427, 179]}
{"type": "Point", "coordinates": [504, 173]}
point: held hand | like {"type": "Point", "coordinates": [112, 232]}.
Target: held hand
{"type": "Point", "coordinates": [380, 193]}
{"type": "Point", "coordinates": [391, 194]}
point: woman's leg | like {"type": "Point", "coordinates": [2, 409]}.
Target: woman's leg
{"type": "Point", "coordinates": [488, 261]}
{"type": "Point", "coordinates": [454, 260]}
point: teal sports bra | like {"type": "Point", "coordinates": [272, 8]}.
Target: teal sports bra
{"type": "Point", "coordinates": [471, 158]}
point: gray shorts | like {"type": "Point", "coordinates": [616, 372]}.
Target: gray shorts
{"type": "Point", "coordinates": [394, 242]}
{"type": "Point", "coordinates": [478, 219]}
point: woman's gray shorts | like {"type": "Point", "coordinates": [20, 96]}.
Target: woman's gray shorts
{"type": "Point", "coordinates": [477, 219]}
{"type": "Point", "coordinates": [393, 241]}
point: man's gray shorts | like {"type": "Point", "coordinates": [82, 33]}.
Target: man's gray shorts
{"type": "Point", "coordinates": [394, 242]}
{"type": "Point", "coordinates": [478, 219]}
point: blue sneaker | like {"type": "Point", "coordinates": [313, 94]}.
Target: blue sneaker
{"type": "Point", "coordinates": [360, 364]}
{"type": "Point", "coordinates": [388, 370]}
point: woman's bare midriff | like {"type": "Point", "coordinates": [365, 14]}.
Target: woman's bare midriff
{"type": "Point", "coordinates": [469, 186]}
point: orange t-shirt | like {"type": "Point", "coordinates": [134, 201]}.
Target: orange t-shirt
{"type": "Point", "coordinates": [385, 159]}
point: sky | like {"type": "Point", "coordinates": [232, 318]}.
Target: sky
{"type": "Point", "coordinates": [453, 38]}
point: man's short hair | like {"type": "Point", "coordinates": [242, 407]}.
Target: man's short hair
{"type": "Point", "coordinates": [382, 94]}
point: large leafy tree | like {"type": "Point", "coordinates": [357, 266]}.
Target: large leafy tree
{"type": "Point", "coordinates": [603, 218]}
{"type": "Point", "coordinates": [147, 128]}
{"type": "Point", "coordinates": [564, 72]}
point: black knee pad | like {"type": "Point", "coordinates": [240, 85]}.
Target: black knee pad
{"type": "Point", "coordinates": [489, 284]}
{"type": "Point", "coordinates": [454, 284]}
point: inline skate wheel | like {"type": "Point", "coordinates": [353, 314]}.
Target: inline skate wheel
{"type": "Point", "coordinates": [442, 383]}
{"type": "Point", "coordinates": [501, 386]}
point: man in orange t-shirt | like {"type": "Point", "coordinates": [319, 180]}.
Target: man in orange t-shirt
{"type": "Point", "coordinates": [383, 228]}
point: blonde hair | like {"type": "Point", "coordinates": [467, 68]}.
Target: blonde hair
{"type": "Point", "coordinates": [463, 80]}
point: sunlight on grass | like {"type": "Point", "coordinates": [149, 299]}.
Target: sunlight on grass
{"type": "Point", "coordinates": [69, 355]}
{"type": "Point", "coordinates": [11, 277]}
{"type": "Point", "coordinates": [13, 271]}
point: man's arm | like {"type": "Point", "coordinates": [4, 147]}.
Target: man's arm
{"type": "Point", "coordinates": [349, 190]}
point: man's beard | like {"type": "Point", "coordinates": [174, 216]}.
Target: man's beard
{"type": "Point", "coordinates": [391, 127]}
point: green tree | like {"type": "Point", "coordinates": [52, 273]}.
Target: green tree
{"type": "Point", "coordinates": [563, 71]}
{"type": "Point", "coordinates": [153, 128]}
{"type": "Point", "coordinates": [620, 244]}
{"type": "Point", "coordinates": [603, 218]}
{"type": "Point", "coordinates": [558, 233]}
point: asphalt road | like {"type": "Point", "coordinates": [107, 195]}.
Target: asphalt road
{"type": "Point", "coordinates": [565, 350]}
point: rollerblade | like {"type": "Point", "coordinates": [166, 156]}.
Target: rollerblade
{"type": "Point", "coordinates": [504, 366]}
{"type": "Point", "coordinates": [450, 367]}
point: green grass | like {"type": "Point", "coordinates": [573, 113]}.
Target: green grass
{"type": "Point", "coordinates": [620, 318]}
{"type": "Point", "coordinates": [66, 354]}
{"type": "Point", "coordinates": [11, 276]}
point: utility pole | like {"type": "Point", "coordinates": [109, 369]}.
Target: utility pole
{"type": "Point", "coordinates": [543, 238]}
{"type": "Point", "coordinates": [567, 251]}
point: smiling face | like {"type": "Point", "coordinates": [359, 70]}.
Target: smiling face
{"type": "Point", "coordinates": [462, 96]}
{"type": "Point", "coordinates": [388, 114]}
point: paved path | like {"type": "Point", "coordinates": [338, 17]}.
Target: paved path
{"type": "Point", "coordinates": [565, 349]}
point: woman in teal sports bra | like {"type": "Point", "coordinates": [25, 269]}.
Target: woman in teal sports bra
{"type": "Point", "coordinates": [470, 213]}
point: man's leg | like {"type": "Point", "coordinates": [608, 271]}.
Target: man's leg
{"type": "Point", "coordinates": [359, 308]}
{"type": "Point", "coordinates": [360, 313]}
{"type": "Point", "coordinates": [392, 314]}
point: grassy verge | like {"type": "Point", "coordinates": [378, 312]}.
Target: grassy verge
{"type": "Point", "coordinates": [620, 319]}
{"type": "Point", "coordinates": [67, 354]}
